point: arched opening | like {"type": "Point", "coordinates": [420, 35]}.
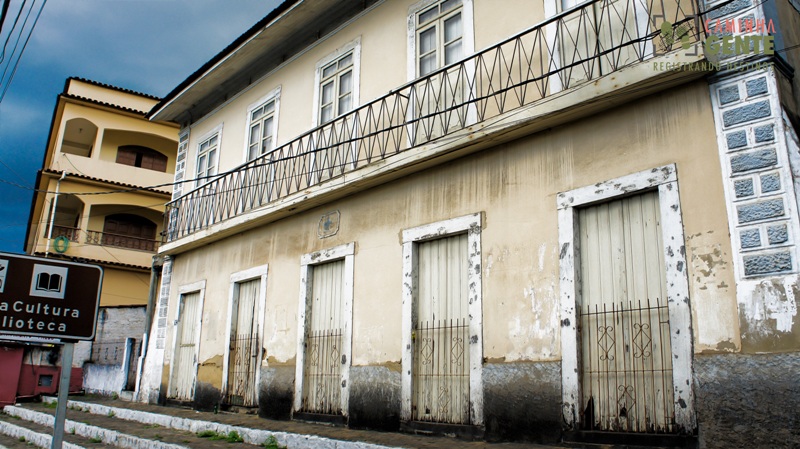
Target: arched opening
{"type": "Point", "coordinates": [142, 157]}
{"type": "Point", "coordinates": [79, 137]}
{"type": "Point", "coordinates": [66, 222]}
{"type": "Point", "coordinates": [129, 231]}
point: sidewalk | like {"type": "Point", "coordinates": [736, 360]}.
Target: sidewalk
{"type": "Point", "coordinates": [299, 433]}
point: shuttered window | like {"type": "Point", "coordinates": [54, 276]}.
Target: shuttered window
{"type": "Point", "coordinates": [142, 157]}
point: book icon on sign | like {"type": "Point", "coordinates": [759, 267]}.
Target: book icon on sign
{"type": "Point", "coordinates": [48, 282]}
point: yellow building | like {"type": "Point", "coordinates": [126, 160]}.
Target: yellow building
{"type": "Point", "coordinates": [106, 174]}
{"type": "Point", "coordinates": [504, 219]}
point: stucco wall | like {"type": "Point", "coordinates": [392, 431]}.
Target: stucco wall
{"type": "Point", "coordinates": [514, 185]}
{"type": "Point", "coordinates": [383, 32]}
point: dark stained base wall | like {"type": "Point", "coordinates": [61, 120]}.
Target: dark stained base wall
{"type": "Point", "coordinates": [748, 401]}
{"type": "Point", "coordinates": [207, 398]}
{"type": "Point", "coordinates": [374, 398]}
{"type": "Point", "coordinates": [522, 401]}
{"type": "Point", "coordinates": [276, 394]}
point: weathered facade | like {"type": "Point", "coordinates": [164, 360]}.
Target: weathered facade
{"type": "Point", "coordinates": [100, 199]}
{"type": "Point", "coordinates": [503, 219]}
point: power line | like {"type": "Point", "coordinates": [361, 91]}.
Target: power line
{"type": "Point", "coordinates": [3, 12]}
{"type": "Point", "coordinates": [24, 46]}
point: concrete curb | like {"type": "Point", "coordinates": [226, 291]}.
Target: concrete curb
{"type": "Point", "coordinates": [88, 431]}
{"type": "Point", "coordinates": [249, 435]}
{"type": "Point", "coordinates": [32, 437]}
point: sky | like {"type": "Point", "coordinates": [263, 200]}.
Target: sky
{"type": "Point", "coordinates": [148, 46]}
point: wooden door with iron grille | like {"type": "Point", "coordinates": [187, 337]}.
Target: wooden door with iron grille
{"type": "Point", "coordinates": [244, 346]}
{"type": "Point", "coordinates": [440, 382]}
{"type": "Point", "coordinates": [624, 331]}
{"type": "Point", "coordinates": [322, 370]}
{"type": "Point", "coordinates": [185, 356]}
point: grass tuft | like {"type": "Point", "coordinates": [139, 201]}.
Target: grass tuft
{"type": "Point", "coordinates": [272, 443]}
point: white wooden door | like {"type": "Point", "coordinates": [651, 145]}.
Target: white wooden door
{"type": "Point", "coordinates": [322, 369]}
{"type": "Point", "coordinates": [440, 384]}
{"type": "Point", "coordinates": [626, 358]}
{"type": "Point", "coordinates": [244, 346]}
{"type": "Point", "coordinates": [185, 360]}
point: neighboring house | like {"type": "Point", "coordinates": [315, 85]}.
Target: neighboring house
{"type": "Point", "coordinates": [505, 219]}
{"type": "Point", "coordinates": [106, 174]}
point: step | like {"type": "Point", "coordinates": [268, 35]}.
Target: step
{"type": "Point", "coordinates": [107, 436]}
{"type": "Point", "coordinates": [16, 432]}
{"type": "Point", "coordinates": [249, 435]}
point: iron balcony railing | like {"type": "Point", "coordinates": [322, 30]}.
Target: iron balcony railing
{"type": "Point", "coordinates": [121, 241]}
{"type": "Point", "coordinates": [571, 48]}
{"type": "Point", "coordinates": [64, 231]}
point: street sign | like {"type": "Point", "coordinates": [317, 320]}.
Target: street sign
{"type": "Point", "coordinates": [48, 298]}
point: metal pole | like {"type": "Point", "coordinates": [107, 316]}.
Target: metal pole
{"type": "Point", "coordinates": [63, 395]}
{"type": "Point", "coordinates": [53, 215]}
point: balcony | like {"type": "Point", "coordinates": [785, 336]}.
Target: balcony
{"type": "Point", "coordinates": [101, 246]}
{"type": "Point", "coordinates": [538, 66]}
{"type": "Point", "coordinates": [121, 241]}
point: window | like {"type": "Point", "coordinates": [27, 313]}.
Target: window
{"type": "Point", "coordinates": [336, 88]}
{"type": "Point", "coordinates": [262, 130]}
{"type": "Point", "coordinates": [129, 231]}
{"type": "Point", "coordinates": [337, 83]}
{"type": "Point", "coordinates": [142, 157]}
{"type": "Point", "coordinates": [440, 36]}
{"type": "Point", "coordinates": [207, 157]}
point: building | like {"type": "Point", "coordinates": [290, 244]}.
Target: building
{"type": "Point", "coordinates": [504, 219]}
{"type": "Point", "coordinates": [106, 174]}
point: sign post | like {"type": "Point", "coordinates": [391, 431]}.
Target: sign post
{"type": "Point", "coordinates": [50, 299]}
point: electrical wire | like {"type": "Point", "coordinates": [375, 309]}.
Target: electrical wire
{"type": "Point", "coordinates": [24, 46]}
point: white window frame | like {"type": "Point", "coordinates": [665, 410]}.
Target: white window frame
{"type": "Point", "coordinates": [199, 286]}
{"type": "Point", "coordinates": [275, 96]}
{"type": "Point", "coordinates": [353, 47]}
{"type": "Point", "coordinates": [664, 179]}
{"type": "Point", "coordinates": [201, 179]}
{"type": "Point", "coordinates": [259, 272]}
{"type": "Point", "coordinates": [344, 252]}
{"type": "Point", "coordinates": [471, 224]}
{"type": "Point", "coordinates": [467, 38]}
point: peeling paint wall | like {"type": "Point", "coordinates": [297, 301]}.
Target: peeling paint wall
{"type": "Point", "coordinates": [760, 161]}
{"type": "Point", "coordinates": [514, 186]}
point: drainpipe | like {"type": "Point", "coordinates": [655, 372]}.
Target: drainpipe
{"type": "Point", "coordinates": [155, 272]}
{"type": "Point", "coordinates": [53, 213]}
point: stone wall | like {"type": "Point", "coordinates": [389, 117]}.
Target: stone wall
{"type": "Point", "coordinates": [748, 401]}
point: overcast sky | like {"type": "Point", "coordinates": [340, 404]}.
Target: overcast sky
{"type": "Point", "coordinates": [148, 46]}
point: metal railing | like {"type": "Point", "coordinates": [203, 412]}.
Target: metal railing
{"type": "Point", "coordinates": [121, 241]}
{"type": "Point", "coordinates": [66, 231]}
{"type": "Point", "coordinates": [441, 372]}
{"type": "Point", "coordinates": [244, 361]}
{"type": "Point", "coordinates": [571, 48]}
{"type": "Point", "coordinates": [626, 373]}
{"type": "Point", "coordinates": [322, 373]}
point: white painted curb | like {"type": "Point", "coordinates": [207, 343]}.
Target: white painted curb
{"type": "Point", "coordinates": [251, 436]}
{"type": "Point", "coordinates": [85, 430]}
{"type": "Point", "coordinates": [31, 437]}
